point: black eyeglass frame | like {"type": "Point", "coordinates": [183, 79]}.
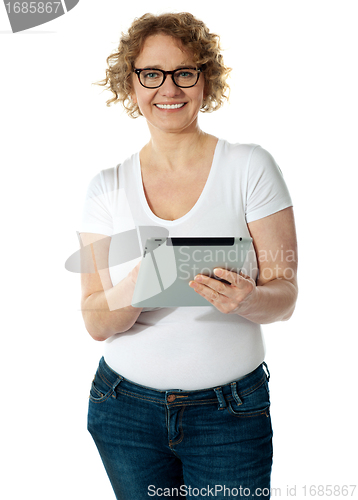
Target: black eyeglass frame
{"type": "Point", "coordinates": [165, 74]}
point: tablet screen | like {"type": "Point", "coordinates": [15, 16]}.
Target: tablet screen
{"type": "Point", "coordinates": [203, 241]}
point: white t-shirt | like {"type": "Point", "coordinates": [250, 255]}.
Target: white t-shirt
{"type": "Point", "coordinates": [188, 348]}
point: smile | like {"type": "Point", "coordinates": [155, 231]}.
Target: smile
{"type": "Point", "coordinates": [170, 106]}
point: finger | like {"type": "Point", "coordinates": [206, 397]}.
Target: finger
{"type": "Point", "coordinates": [211, 288]}
{"type": "Point", "coordinates": [236, 279]}
{"type": "Point", "coordinates": [230, 276]}
{"type": "Point", "coordinates": [205, 291]}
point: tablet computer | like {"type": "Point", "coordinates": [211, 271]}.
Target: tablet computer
{"type": "Point", "coordinates": [169, 263]}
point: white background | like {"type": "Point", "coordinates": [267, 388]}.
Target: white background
{"type": "Point", "coordinates": [294, 92]}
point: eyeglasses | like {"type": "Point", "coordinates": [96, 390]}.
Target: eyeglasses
{"type": "Point", "coordinates": [152, 78]}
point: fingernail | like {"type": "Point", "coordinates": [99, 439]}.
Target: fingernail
{"type": "Point", "coordinates": [218, 272]}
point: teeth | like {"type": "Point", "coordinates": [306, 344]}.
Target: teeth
{"type": "Point", "coordinates": [170, 106]}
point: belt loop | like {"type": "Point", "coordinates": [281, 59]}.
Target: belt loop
{"type": "Point", "coordinates": [117, 382]}
{"type": "Point", "coordinates": [221, 399]}
{"type": "Point", "coordinates": [266, 370]}
{"type": "Point", "coordinates": [234, 393]}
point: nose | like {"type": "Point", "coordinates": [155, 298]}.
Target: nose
{"type": "Point", "coordinates": [169, 88]}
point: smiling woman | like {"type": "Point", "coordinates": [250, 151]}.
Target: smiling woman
{"type": "Point", "coordinates": [154, 401]}
{"type": "Point", "coordinates": [193, 34]}
{"type": "Point", "coordinates": [157, 96]}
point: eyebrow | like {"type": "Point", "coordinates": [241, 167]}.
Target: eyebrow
{"type": "Point", "coordinates": [159, 66]}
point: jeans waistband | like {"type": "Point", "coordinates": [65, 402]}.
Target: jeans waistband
{"type": "Point", "coordinates": [175, 397]}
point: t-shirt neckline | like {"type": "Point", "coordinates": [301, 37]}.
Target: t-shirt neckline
{"type": "Point", "coordinates": [209, 181]}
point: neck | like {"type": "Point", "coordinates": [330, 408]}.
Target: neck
{"type": "Point", "coordinates": [175, 151]}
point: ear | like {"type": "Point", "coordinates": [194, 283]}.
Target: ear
{"type": "Point", "coordinates": [133, 97]}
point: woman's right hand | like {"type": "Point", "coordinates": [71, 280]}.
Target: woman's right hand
{"type": "Point", "coordinates": [106, 309]}
{"type": "Point", "coordinates": [133, 274]}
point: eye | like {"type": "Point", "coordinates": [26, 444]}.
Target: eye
{"type": "Point", "coordinates": [151, 74]}
{"type": "Point", "coordinates": [185, 74]}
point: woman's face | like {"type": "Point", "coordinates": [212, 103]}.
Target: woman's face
{"type": "Point", "coordinates": [165, 53]}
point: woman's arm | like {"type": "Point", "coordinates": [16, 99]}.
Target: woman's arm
{"type": "Point", "coordinates": [106, 309]}
{"type": "Point", "coordinates": [274, 297]}
{"type": "Point", "coordinates": [275, 242]}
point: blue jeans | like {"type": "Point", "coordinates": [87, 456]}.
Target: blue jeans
{"type": "Point", "coordinates": [211, 443]}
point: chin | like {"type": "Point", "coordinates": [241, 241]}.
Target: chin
{"type": "Point", "coordinates": [172, 125]}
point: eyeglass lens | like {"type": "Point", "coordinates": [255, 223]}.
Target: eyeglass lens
{"type": "Point", "coordinates": [183, 77]}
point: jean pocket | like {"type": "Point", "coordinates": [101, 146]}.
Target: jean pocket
{"type": "Point", "coordinates": [100, 391]}
{"type": "Point", "coordinates": [255, 403]}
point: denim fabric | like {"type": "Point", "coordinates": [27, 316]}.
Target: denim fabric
{"type": "Point", "coordinates": [212, 443]}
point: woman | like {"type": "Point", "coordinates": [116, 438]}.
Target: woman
{"type": "Point", "coordinates": [180, 402]}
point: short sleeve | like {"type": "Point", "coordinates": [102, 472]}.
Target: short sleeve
{"type": "Point", "coordinates": [267, 192]}
{"type": "Point", "coordinates": [97, 211]}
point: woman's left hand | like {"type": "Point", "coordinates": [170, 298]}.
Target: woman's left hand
{"type": "Point", "coordinates": [227, 298]}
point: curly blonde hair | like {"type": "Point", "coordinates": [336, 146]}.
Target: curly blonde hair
{"type": "Point", "coordinates": [194, 37]}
